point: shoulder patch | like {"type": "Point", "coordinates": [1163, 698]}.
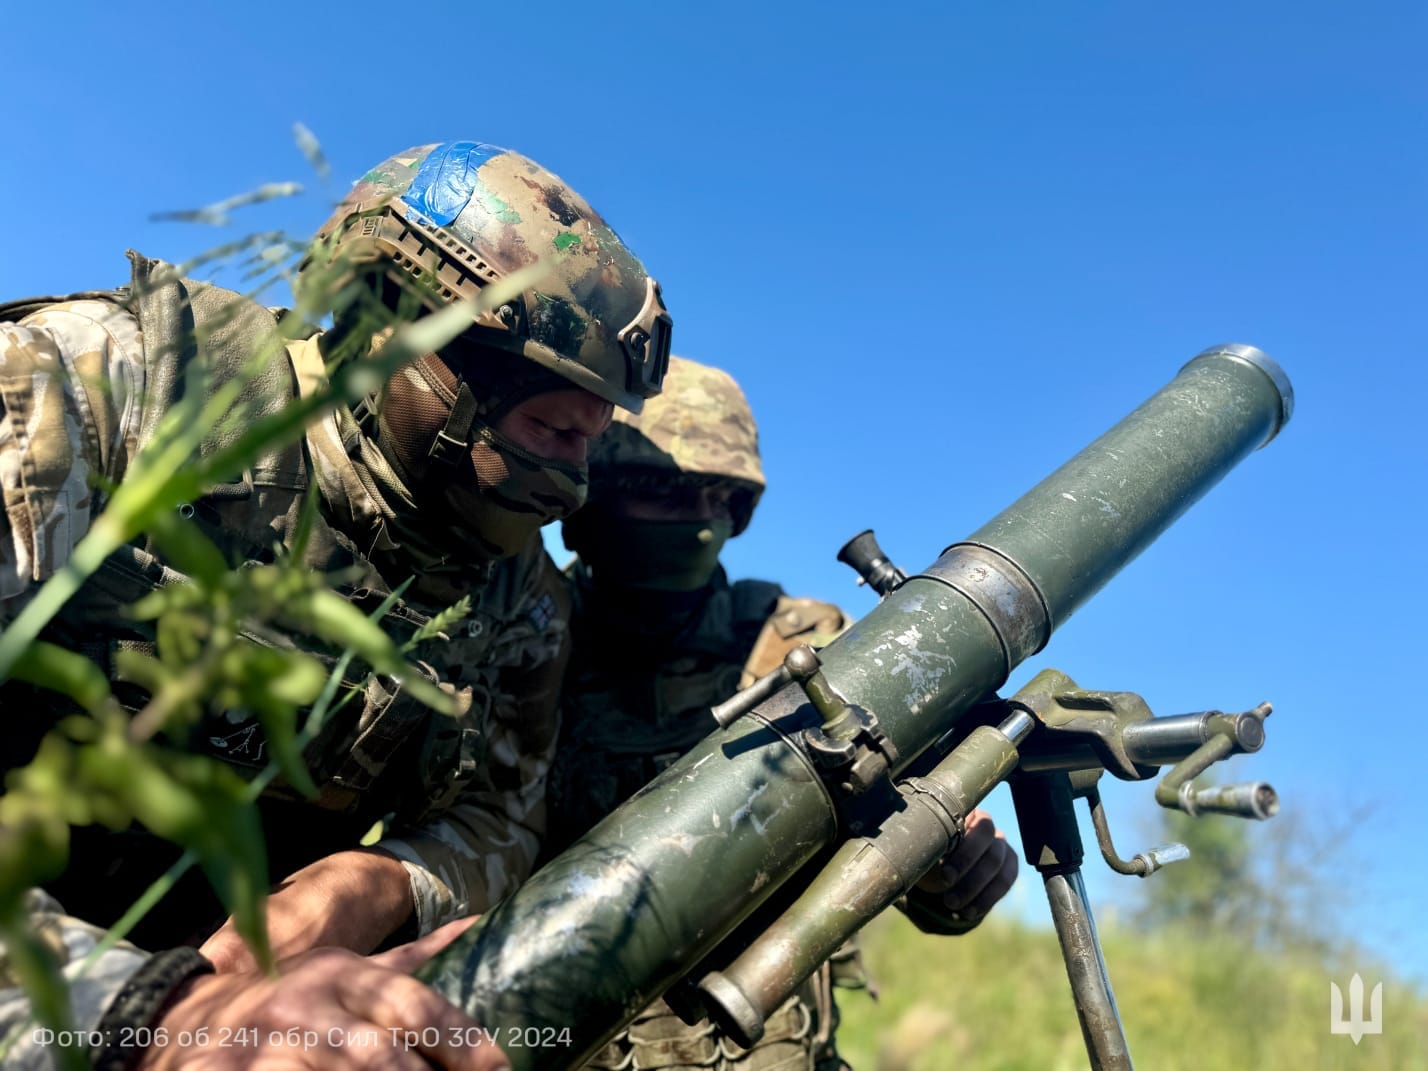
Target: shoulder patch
{"type": "Point", "coordinates": [542, 613]}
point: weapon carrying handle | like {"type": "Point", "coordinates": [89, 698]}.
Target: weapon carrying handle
{"type": "Point", "coordinates": [739, 704]}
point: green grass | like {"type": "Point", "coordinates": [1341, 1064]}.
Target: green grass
{"type": "Point", "coordinates": [998, 998]}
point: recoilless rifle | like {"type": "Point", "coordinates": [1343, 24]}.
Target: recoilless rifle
{"type": "Point", "coordinates": [833, 784]}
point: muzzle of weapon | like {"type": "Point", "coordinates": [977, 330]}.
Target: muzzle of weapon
{"type": "Point", "coordinates": [646, 895]}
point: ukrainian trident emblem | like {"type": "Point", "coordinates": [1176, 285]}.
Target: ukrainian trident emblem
{"type": "Point", "coordinates": [1356, 1026]}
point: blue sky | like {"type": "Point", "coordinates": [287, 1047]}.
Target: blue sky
{"type": "Point", "coordinates": [942, 246]}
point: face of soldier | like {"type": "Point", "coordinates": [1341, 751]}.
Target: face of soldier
{"type": "Point", "coordinates": [557, 425]}
{"type": "Point", "coordinates": [529, 468]}
{"type": "Point", "coordinates": [525, 468]}
{"type": "Point", "coordinates": [664, 539]}
{"type": "Point", "coordinates": [711, 502]}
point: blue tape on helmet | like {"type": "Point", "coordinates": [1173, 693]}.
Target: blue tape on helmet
{"type": "Point", "coordinates": [447, 178]}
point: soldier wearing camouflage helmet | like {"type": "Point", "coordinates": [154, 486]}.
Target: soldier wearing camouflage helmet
{"type": "Point", "coordinates": [695, 444]}
{"type": "Point", "coordinates": [442, 476]}
{"type": "Point", "coordinates": [436, 224]}
{"type": "Point", "coordinates": [660, 636]}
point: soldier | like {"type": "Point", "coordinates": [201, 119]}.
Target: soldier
{"type": "Point", "coordinates": [444, 475]}
{"type": "Point", "coordinates": [660, 636]}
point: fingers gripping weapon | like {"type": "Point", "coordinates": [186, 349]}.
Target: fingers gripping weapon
{"type": "Point", "coordinates": [812, 758]}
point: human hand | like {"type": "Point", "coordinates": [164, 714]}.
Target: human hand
{"type": "Point", "coordinates": [976, 873]}
{"type": "Point", "coordinates": [327, 1009]}
{"type": "Point", "coordinates": [353, 900]}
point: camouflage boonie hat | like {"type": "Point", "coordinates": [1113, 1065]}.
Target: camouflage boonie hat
{"type": "Point", "coordinates": [444, 220]}
{"type": "Point", "coordinates": [699, 429]}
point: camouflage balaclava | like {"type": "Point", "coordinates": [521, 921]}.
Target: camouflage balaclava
{"type": "Point", "coordinates": [480, 494]}
{"type": "Point", "coordinates": [698, 432]}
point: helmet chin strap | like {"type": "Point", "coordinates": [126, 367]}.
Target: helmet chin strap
{"type": "Point", "coordinates": [453, 441]}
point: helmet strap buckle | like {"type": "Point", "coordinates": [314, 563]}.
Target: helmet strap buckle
{"type": "Point", "coordinates": [453, 441]}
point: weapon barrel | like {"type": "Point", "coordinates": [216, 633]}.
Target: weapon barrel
{"type": "Point", "coordinates": [643, 897]}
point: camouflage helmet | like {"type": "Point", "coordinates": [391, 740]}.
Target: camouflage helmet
{"type": "Point", "coordinates": [444, 220]}
{"type": "Point", "coordinates": [699, 430]}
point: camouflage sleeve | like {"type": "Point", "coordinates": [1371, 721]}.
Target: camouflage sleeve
{"type": "Point", "coordinates": [71, 382]}
{"type": "Point", "coordinates": [69, 940]}
{"type": "Point", "coordinates": [484, 846]}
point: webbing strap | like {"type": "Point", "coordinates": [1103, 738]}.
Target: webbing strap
{"type": "Point", "coordinates": [453, 441]}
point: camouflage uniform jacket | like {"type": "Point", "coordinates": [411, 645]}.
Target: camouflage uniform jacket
{"type": "Point", "coordinates": [69, 941]}
{"type": "Point", "coordinates": [82, 383]}
{"type": "Point", "coordinates": [635, 699]}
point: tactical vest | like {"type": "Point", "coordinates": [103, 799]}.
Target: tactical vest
{"type": "Point", "coordinates": [392, 756]}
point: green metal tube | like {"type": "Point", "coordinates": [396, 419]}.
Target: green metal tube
{"type": "Point", "coordinates": [1078, 527]}
{"type": "Point", "coordinates": [607, 926]}
{"type": "Point", "coordinates": [1028, 569]}
{"type": "Point", "coordinates": [579, 950]}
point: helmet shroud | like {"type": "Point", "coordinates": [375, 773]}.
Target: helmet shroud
{"type": "Point", "coordinates": [699, 430]}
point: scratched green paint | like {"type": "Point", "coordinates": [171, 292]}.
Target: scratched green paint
{"type": "Point", "coordinates": [494, 205]}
